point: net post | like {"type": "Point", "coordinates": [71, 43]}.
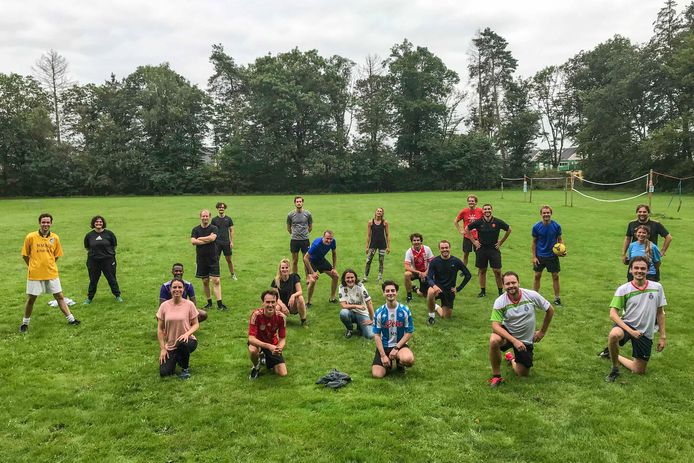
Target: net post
{"type": "Point", "coordinates": [649, 185]}
{"type": "Point", "coordinates": [566, 191]}
{"type": "Point", "coordinates": [531, 190]}
{"type": "Point", "coordinates": [572, 190]}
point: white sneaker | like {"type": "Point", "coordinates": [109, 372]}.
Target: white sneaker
{"type": "Point", "coordinates": [233, 277]}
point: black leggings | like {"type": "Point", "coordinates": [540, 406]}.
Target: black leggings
{"type": "Point", "coordinates": [98, 266]}
{"type": "Point", "coordinates": [180, 355]}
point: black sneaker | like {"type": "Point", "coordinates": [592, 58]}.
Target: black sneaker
{"type": "Point", "coordinates": [74, 322]}
{"type": "Point", "coordinates": [557, 301]}
{"type": "Point", "coordinates": [482, 294]}
{"type": "Point", "coordinates": [333, 300]}
{"type": "Point", "coordinates": [431, 321]}
{"type": "Point", "coordinates": [304, 322]}
{"type": "Point", "coordinates": [254, 373]}
{"type": "Point", "coordinates": [185, 374]}
{"type": "Point", "coordinates": [409, 297]}
{"type": "Point", "coordinates": [222, 307]}
{"type": "Point", "coordinates": [208, 306]}
{"type": "Point", "coordinates": [614, 373]}
{"type": "Point", "coordinates": [23, 328]}
{"type": "Point", "coordinates": [348, 334]}
{"type": "Point", "coordinates": [308, 305]}
{"type": "Point", "coordinates": [605, 353]}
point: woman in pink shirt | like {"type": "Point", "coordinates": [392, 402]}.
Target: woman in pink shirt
{"type": "Point", "coordinates": [177, 321]}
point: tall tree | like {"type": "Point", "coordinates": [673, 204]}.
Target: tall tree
{"type": "Point", "coordinates": [552, 100]}
{"type": "Point", "coordinates": [228, 88]}
{"type": "Point", "coordinates": [51, 71]}
{"type": "Point", "coordinates": [519, 128]}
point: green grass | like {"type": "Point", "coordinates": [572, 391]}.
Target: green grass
{"type": "Point", "coordinates": [93, 393]}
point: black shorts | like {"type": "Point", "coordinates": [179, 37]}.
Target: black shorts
{"type": "Point", "coordinates": [321, 265]}
{"type": "Point", "coordinates": [524, 357]}
{"type": "Point", "coordinates": [423, 284]}
{"type": "Point", "coordinates": [206, 267]}
{"type": "Point", "coordinates": [640, 348]}
{"type": "Point", "coordinates": [377, 356]}
{"type": "Point", "coordinates": [491, 256]}
{"type": "Point", "coordinates": [446, 297]}
{"type": "Point", "coordinates": [467, 245]}
{"type": "Point", "coordinates": [271, 360]}
{"type": "Point", "coordinates": [223, 248]}
{"type": "Point", "coordinates": [549, 263]}
{"type": "Point", "coordinates": [299, 245]}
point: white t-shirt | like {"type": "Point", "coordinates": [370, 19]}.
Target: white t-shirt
{"type": "Point", "coordinates": [357, 295]}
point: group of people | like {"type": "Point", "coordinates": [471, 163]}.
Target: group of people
{"type": "Point", "coordinates": [636, 309]}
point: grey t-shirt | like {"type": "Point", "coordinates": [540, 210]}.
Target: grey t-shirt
{"type": "Point", "coordinates": [299, 221]}
{"type": "Point", "coordinates": [640, 305]}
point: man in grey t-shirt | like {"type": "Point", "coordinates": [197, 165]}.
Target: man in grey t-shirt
{"type": "Point", "coordinates": [299, 225]}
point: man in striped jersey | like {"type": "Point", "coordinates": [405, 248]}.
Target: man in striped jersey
{"type": "Point", "coordinates": [641, 302]}
{"type": "Point", "coordinates": [392, 329]}
{"type": "Point", "coordinates": [513, 326]}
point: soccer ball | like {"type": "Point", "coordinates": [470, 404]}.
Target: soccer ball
{"type": "Point", "coordinates": [559, 249]}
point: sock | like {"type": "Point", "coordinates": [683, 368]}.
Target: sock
{"type": "Point", "coordinates": [71, 318]}
{"type": "Point", "coordinates": [432, 314]}
{"type": "Point", "coordinates": [219, 303]}
{"type": "Point", "coordinates": [409, 294]}
{"type": "Point", "coordinates": [483, 290]}
{"type": "Point", "coordinates": [209, 301]}
{"type": "Point", "coordinates": [25, 321]}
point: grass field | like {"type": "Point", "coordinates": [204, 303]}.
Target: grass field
{"type": "Point", "coordinates": [93, 393]}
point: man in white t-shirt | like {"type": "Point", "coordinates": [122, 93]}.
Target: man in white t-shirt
{"type": "Point", "coordinates": [513, 326]}
{"type": "Point", "coordinates": [417, 260]}
{"type": "Point", "coordinates": [641, 302]}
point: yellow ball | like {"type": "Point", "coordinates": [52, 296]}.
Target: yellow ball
{"type": "Point", "coordinates": [559, 249]}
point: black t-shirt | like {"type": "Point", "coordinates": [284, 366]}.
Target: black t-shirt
{"type": "Point", "coordinates": [656, 229]}
{"type": "Point", "coordinates": [223, 224]}
{"type": "Point", "coordinates": [287, 288]}
{"type": "Point", "coordinates": [205, 250]}
{"type": "Point", "coordinates": [443, 273]}
{"type": "Point", "coordinates": [100, 245]}
{"type": "Point", "coordinates": [488, 232]}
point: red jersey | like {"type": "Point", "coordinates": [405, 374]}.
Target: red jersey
{"type": "Point", "coordinates": [267, 329]}
{"type": "Point", "coordinates": [468, 216]}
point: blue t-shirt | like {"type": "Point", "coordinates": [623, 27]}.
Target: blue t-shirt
{"type": "Point", "coordinates": [546, 236]}
{"type": "Point", "coordinates": [392, 325]}
{"type": "Point", "coordinates": [318, 249]}
{"type": "Point", "coordinates": [638, 249]}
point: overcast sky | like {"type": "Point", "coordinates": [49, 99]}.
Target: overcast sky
{"type": "Point", "coordinates": [99, 38]}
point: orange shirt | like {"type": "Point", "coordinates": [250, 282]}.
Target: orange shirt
{"type": "Point", "coordinates": [42, 253]}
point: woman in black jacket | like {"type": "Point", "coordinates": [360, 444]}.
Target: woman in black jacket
{"type": "Point", "coordinates": [100, 244]}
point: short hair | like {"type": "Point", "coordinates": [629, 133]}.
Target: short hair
{"type": "Point", "coordinates": [272, 291]}
{"type": "Point", "coordinates": [94, 219]}
{"type": "Point", "coordinates": [177, 264]}
{"type": "Point", "coordinates": [485, 205]}
{"type": "Point", "coordinates": [638, 259]}
{"type": "Point", "coordinates": [349, 270]}
{"type": "Point", "coordinates": [416, 235]}
{"type": "Point", "coordinates": [473, 197]}
{"type": "Point", "coordinates": [220, 204]}
{"type": "Point", "coordinates": [298, 197]}
{"type": "Point", "coordinates": [444, 241]}
{"type": "Point", "coordinates": [390, 283]}
{"type": "Point", "coordinates": [510, 273]}
{"type": "Point", "coordinates": [204, 210]}
{"type": "Point", "coordinates": [646, 206]}
{"type": "Point", "coordinates": [328, 232]}
{"type": "Point", "coordinates": [546, 206]}
{"type": "Point", "coordinates": [45, 214]}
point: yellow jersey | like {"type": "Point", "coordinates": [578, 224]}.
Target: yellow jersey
{"type": "Point", "coordinates": [42, 252]}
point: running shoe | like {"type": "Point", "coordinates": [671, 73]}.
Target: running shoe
{"type": "Point", "coordinates": [23, 328]}
{"type": "Point", "coordinates": [254, 373]}
{"type": "Point", "coordinates": [605, 353]}
{"type": "Point", "coordinates": [614, 373]}
{"type": "Point", "coordinates": [495, 381]}
{"type": "Point", "coordinates": [185, 374]}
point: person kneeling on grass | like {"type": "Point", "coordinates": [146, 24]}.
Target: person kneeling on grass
{"type": "Point", "coordinates": [267, 335]}
{"type": "Point", "coordinates": [642, 303]}
{"type": "Point", "coordinates": [288, 285]}
{"type": "Point", "coordinates": [513, 326]}
{"type": "Point", "coordinates": [356, 305]}
{"type": "Point", "coordinates": [392, 330]}
{"type": "Point", "coordinates": [177, 320]}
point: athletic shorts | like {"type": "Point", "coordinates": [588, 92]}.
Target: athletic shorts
{"type": "Point", "coordinates": [299, 245]}
{"type": "Point", "coordinates": [377, 356]}
{"type": "Point", "coordinates": [38, 287]}
{"type": "Point", "coordinates": [467, 245]}
{"type": "Point", "coordinates": [223, 248]}
{"type": "Point", "coordinates": [423, 283]}
{"type": "Point", "coordinates": [321, 265]}
{"type": "Point", "coordinates": [446, 297]}
{"type": "Point", "coordinates": [491, 256]}
{"type": "Point", "coordinates": [272, 360]}
{"type": "Point", "coordinates": [206, 267]}
{"type": "Point", "coordinates": [524, 357]}
{"type": "Point", "coordinates": [640, 348]}
{"type": "Point", "coordinates": [549, 263]}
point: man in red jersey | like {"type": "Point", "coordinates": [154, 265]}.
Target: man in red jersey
{"type": "Point", "coordinates": [467, 216]}
{"type": "Point", "coordinates": [267, 336]}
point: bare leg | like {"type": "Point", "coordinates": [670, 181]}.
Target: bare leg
{"type": "Point", "coordinates": [408, 281]}
{"type": "Point", "coordinates": [333, 285]}
{"type": "Point", "coordinates": [536, 281]}
{"type": "Point", "coordinates": [405, 357]}
{"type": "Point", "coordinates": [445, 312]}
{"type": "Point", "coordinates": [281, 369]}
{"type": "Point", "coordinates": [465, 254]}
{"type": "Point", "coordinates": [482, 273]}
{"type": "Point", "coordinates": [295, 262]}
{"type": "Point", "coordinates": [616, 335]}
{"type": "Point", "coordinates": [254, 354]}
{"type": "Point", "coordinates": [497, 276]}
{"type": "Point", "coordinates": [555, 284]}
{"type": "Point", "coordinates": [29, 306]}
{"type": "Point", "coordinates": [216, 287]}
{"type": "Point", "coordinates": [300, 307]}
{"type": "Point", "coordinates": [637, 366]}
{"type": "Point", "coordinates": [377, 371]}
{"type": "Point", "coordinates": [431, 300]}
{"type": "Point", "coordinates": [62, 304]}
{"type": "Point", "coordinates": [206, 287]}
{"type": "Point", "coordinates": [230, 264]}
{"type": "Point", "coordinates": [494, 353]}
{"type": "Point", "coordinates": [311, 287]}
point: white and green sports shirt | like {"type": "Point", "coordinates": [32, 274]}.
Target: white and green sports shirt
{"type": "Point", "coordinates": [519, 318]}
{"type": "Point", "coordinates": [639, 306]}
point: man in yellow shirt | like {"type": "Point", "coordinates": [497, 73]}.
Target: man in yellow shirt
{"type": "Point", "coordinates": [40, 252]}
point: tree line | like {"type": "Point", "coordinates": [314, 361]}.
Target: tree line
{"type": "Point", "coordinates": [299, 121]}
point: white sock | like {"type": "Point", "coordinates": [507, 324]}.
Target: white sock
{"type": "Point", "coordinates": [432, 314]}
{"type": "Point", "coordinates": [437, 307]}
{"type": "Point", "coordinates": [25, 320]}
{"type": "Point", "coordinates": [70, 318]}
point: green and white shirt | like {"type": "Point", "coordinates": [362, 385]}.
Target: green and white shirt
{"type": "Point", "coordinates": [639, 306]}
{"type": "Point", "coordinates": [519, 318]}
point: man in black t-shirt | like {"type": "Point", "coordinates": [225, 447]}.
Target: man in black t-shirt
{"type": "Point", "coordinates": [488, 247]}
{"type": "Point", "coordinates": [441, 277]}
{"type": "Point", "coordinates": [225, 237]}
{"type": "Point", "coordinates": [207, 265]}
{"type": "Point", "coordinates": [643, 217]}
